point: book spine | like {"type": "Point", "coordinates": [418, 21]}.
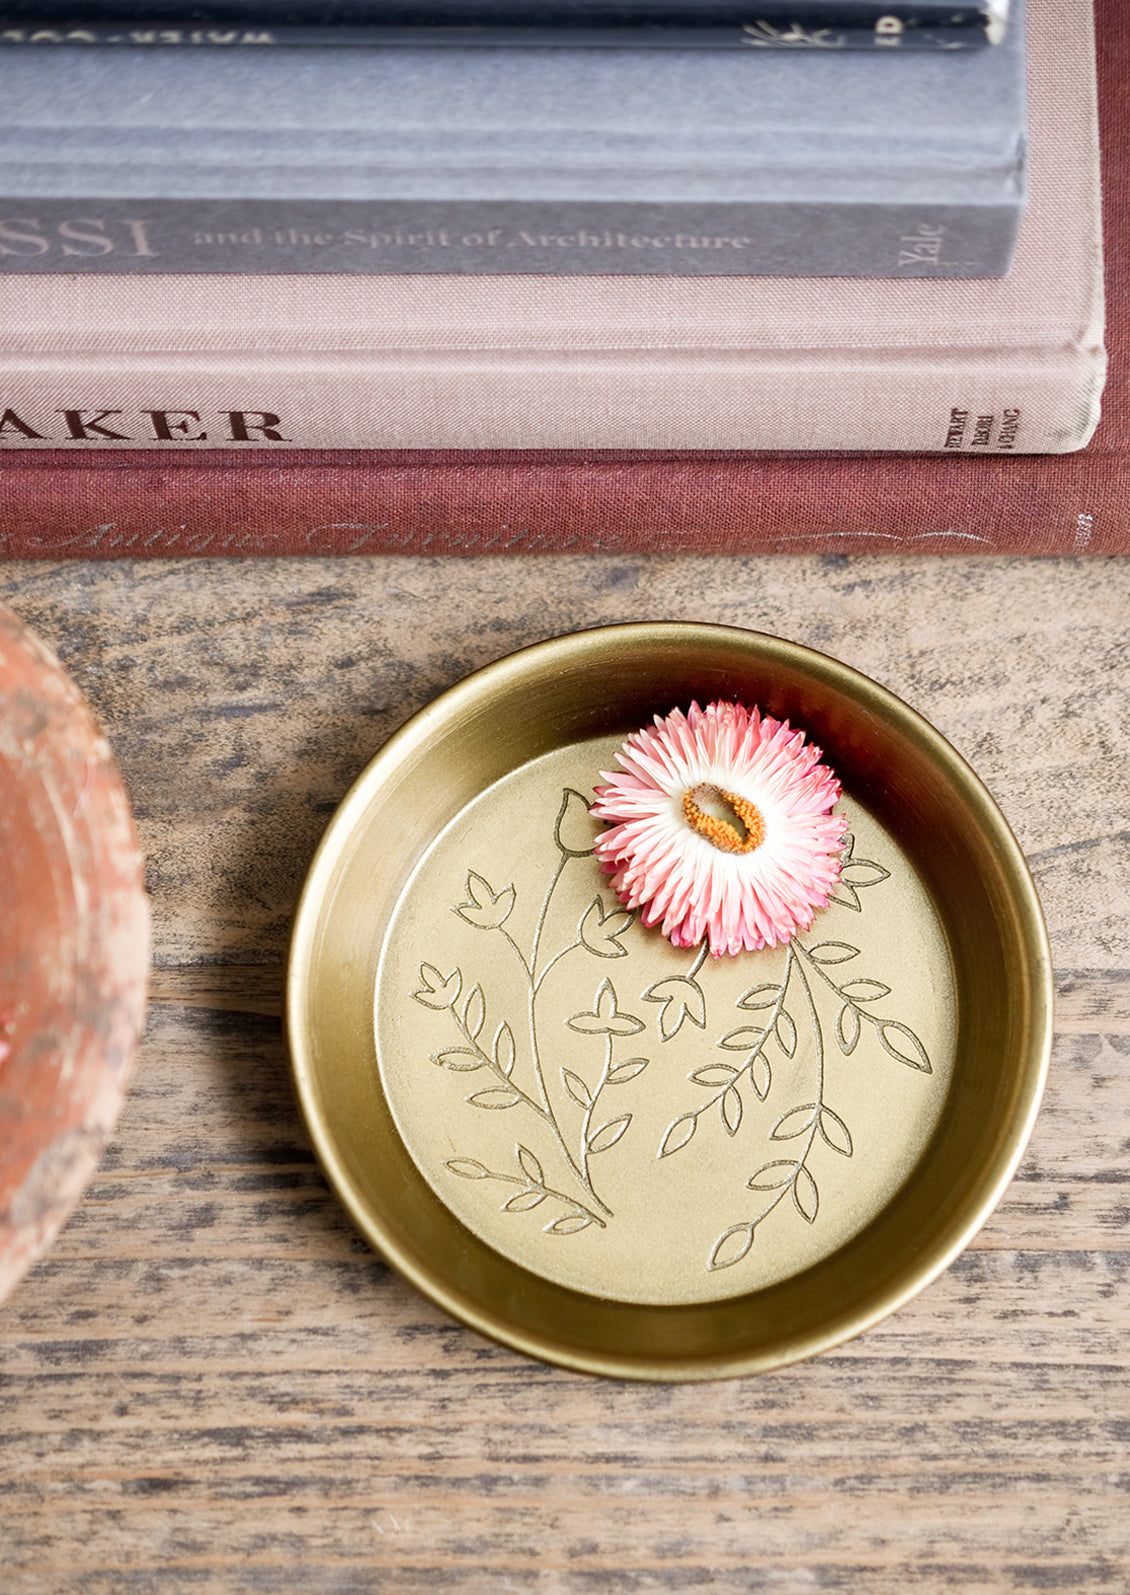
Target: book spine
{"type": "Point", "coordinates": [1007, 402]}
{"type": "Point", "coordinates": [131, 505]}
{"type": "Point", "coordinates": [765, 26]}
{"type": "Point", "coordinates": [835, 238]}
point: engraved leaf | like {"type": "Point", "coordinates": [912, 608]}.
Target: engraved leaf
{"type": "Point", "coordinates": [901, 1042]}
{"type": "Point", "coordinates": [759, 997]}
{"type": "Point", "coordinates": [605, 1019]}
{"type": "Point", "coordinates": [626, 1071]}
{"type": "Point", "coordinates": [758, 1182]}
{"type": "Point", "coordinates": [793, 1123]}
{"type": "Point", "coordinates": [865, 990]}
{"type": "Point", "coordinates": [574, 831]}
{"type": "Point", "coordinates": [682, 1000]}
{"type": "Point", "coordinates": [461, 1058]}
{"type": "Point", "coordinates": [504, 1049]}
{"type": "Point", "coordinates": [846, 896]}
{"type": "Point", "coordinates": [468, 1168]}
{"type": "Point", "coordinates": [571, 1224]}
{"type": "Point", "coordinates": [847, 1029]}
{"type": "Point", "coordinates": [577, 1088]}
{"type": "Point", "coordinates": [524, 1202]}
{"type": "Point", "coordinates": [833, 952]}
{"type": "Point", "coordinates": [529, 1164]}
{"type": "Point", "coordinates": [732, 1110]}
{"type": "Point", "coordinates": [743, 1040]}
{"type": "Point", "coordinates": [499, 1097]}
{"type": "Point", "coordinates": [438, 991]}
{"type": "Point", "coordinates": [608, 1134]}
{"type": "Point", "coordinates": [806, 1197]}
{"type": "Point", "coordinates": [835, 1132]}
{"type": "Point", "coordinates": [761, 1075]}
{"type": "Point", "coordinates": [785, 1031]}
{"type": "Point", "coordinates": [678, 1134]}
{"type": "Point", "coordinates": [714, 1074]}
{"type": "Point", "coordinates": [863, 872]}
{"type": "Point", "coordinates": [485, 909]}
{"type": "Point", "coordinates": [731, 1247]}
{"type": "Point", "coordinates": [475, 1012]}
{"type": "Point", "coordinates": [598, 931]}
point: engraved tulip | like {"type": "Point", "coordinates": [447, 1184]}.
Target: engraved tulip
{"type": "Point", "coordinates": [605, 1018]}
{"type": "Point", "coordinates": [683, 999]}
{"type": "Point", "coordinates": [438, 990]}
{"type": "Point", "coordinates": [599, 931]}
{"type": "Point", "coordinates": [574, 831]}
{"type": "Point", "coordinates": [485, 908]}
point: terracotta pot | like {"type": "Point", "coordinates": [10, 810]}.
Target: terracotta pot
{"type": "Point", "coordinates": [74, 945]}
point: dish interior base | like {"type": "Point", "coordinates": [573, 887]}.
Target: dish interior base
{"type": "Point", "coordinates": [641, 1122]}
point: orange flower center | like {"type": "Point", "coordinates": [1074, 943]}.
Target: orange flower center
{"type": "Point", "coordinates": [744, 837]}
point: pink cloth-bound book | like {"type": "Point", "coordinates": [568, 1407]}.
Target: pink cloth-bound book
{"type": "Point", "coordinates": [471, 501]}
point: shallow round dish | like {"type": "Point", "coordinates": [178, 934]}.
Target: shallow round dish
{"type": "Point", "coordinates": [74, 945]}
{"type": "Point", "coordinates": [624, 1157]}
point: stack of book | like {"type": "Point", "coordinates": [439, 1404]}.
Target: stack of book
{"type": "Point", "coordinates": [400, 295]}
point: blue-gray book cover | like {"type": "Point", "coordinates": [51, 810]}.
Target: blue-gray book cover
{"type": "Point", "coordinates": [502, 161]}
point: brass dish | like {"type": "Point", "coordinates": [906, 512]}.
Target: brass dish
{"type": "Point", "coordinates": [830, 1162]}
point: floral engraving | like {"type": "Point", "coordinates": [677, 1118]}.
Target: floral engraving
{"type": "Point", "coordinates": [572, 1062]}
{"type": "Point", "coordinates": [576, 1116]}
{"type": "Point", "coordinates": [532, 1191]}
{"type": "Point", "coordinates": [789, 1024]}
{"type": "Point", "coordinates": [683, 999]}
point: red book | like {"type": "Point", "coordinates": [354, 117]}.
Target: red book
{"type": "Point", "coordinates": [139, 503]}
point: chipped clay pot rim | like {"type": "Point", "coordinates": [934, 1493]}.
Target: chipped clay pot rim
{"type": "Point", "coordinates": [612, 680]}
{"type": "Point", "coordinates": [74, 945]}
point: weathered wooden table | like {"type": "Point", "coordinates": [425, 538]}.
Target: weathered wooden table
{"type": "Point", "coordinates": [210, 1384]}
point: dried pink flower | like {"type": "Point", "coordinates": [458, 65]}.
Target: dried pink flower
{"type": "Point", "coordinates": [721, 828]}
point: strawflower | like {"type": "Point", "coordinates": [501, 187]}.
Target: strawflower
{"type": "Point", "coordinates": [721, 828]}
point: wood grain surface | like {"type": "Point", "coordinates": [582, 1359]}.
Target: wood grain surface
{"type": "Point", "coordinates": [210, 1384]}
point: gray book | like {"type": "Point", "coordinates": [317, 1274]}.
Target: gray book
{"type": "Point", "coordinates": [496, 161]}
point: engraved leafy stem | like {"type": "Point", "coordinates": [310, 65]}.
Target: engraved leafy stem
{"type": "Point", "coordinates": [598, 933]}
